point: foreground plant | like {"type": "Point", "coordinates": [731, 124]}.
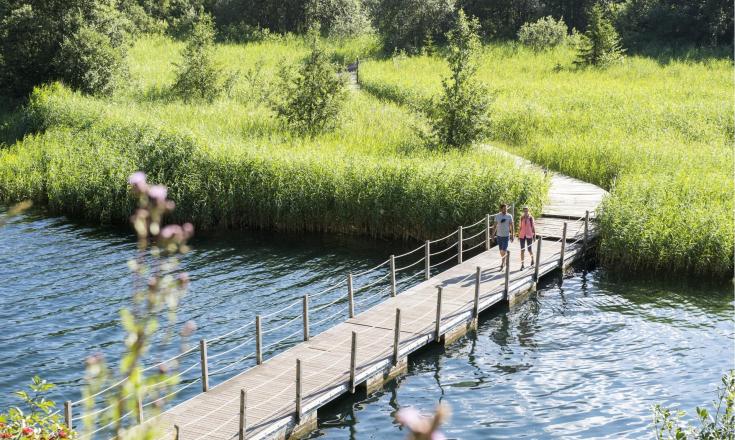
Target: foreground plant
{"type": "Point", "coordinates": [158, 287]}
{"type": "Point", "coordinates": [424, 427]}
{"type": "Point", "coordinates": [35, 418]}
{"type": "Point", "coordinates": [719, 425]}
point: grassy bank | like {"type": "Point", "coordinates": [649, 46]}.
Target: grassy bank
{"type": "Point", "coordinates": [659, 136]}
{"type": "Point", "coordinates": [230, 164]}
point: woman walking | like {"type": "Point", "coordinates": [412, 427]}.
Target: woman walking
{"type": "Point", "coordinates": [526, 234]}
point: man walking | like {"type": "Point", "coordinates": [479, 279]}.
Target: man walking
{"type": "Point", "coordinates": [503, 232]}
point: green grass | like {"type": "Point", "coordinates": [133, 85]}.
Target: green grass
{"type": "Point", "coordinates": [659, 136]}
{"type": "Point", "coordinates": [230, 163]}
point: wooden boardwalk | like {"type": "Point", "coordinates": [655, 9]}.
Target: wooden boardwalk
{"type": "Point", "coordinates": [271, 405]}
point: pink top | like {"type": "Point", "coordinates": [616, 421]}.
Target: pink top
{"type": "Point", "coordinates": [527, 227]}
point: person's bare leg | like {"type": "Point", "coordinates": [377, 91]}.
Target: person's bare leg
{"type": "Point", "coordinates": [530, 254]}
{"type": "Point", "coordinates": [523, 257]}
{"type": "Point", "coordinates": [502, 260]}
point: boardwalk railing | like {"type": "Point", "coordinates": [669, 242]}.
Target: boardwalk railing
{"type": "Point", "coordinates": [221, 354]}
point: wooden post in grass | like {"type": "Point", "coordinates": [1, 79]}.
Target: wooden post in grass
{"type": "Point", "coordinates": [563, 245]}
{"type": "Point", "coordinates": [350, 296]}
{"type": "Point", "coordinates": [538, 258]}
{"type": "Point", "coordinates": [487, 232]}
{"type": "Point", "coordinates": [437, 330]}
{"type": "Point", "coordinates": [459, 245]}
{"type": "Point", "coordinates": [392, 275]}
{"type": "Point", "coordinates": [427, 260]}
{"type": "Point", "coordinates": [306, 317]}
{"type": "Point", "coordinates": [243, 420]}
{"type": "Point", "coordinates": [258, 341]}
{"type": "Point", "coordinates": [396, 337]}
{"type": "Point", "coordinates": [353, 362]}
{"type": "Point", "coordinates": [476, 305]}
{"type": "Point", "coordinates": [203, 364]}
{"type": "Point", "coordinates": [298, 390]}
{"type": "Point", "coordinates": [67, 415]}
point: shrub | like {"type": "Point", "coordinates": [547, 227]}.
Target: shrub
{"type": "Point", "coordinates": [406, 24]}
{"type": "Point", "coordinates": [313, 97]}
{"type": "Point", "coordinates": [37, 418]}
{"type": "Point", "coordinates": [600, 45]}
{"type": "Point", "coordinates": [88, 62]}
{"type": "Point", "coordinates": [198, 77]}
{"type": "Point", "coordinates": [461, 114]}
{"type": "Point", "coordinates": [543, 34]}
{"type": "Point", "coordinates": [338, 18]}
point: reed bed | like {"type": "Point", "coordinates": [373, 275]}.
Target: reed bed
{"type": "Point", "coordinates": [657, 133]}
{"type": "Point", "coordinates": [230, 164]}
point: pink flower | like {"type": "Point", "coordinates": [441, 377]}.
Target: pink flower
{"type": "Point", "coordinates": [172, 231]}
{"type": "Point", "coordinates": [27, 430]}
{"type": "Point", "coordinates": [137, 181]}
{"type": "Point", "coordinates": [158, 193]}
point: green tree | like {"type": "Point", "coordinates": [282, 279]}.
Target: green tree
{"type": "Point", "coordinates": [460, 116]}
{"type": "Point", "coordinates": [544, 33]}
{"type": "Point", "coordinates": [87, 61]}
{"type": "Point", "coordinates": [338, 18]}
{"type": "Point", "coordinates": [600, 45]}
{"type": "Point", "coordinates": [198, 77]}
{"type": "Point", "coordinates": [33, 32]}
{"type": "Point", "coordinates": [314, 95]}
{"type": "Point", "coordinates": [407, 24]}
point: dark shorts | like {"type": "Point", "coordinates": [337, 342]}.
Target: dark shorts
{"type": "Point", "coordinates": [502, 242]}
{"type": "Point", "coordinates": [527, 243]}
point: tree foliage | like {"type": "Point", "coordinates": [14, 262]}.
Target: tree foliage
{"type": "Point", "coordinates": [544, 33]}
{"type": "Point", "coordinates": [314, 95]}
{"type": "Point", "coordinates": [338, 18]}
{"type": "Point", "coordinates": [460, 116]}
{"type": "Point", "coordinates": [34, 32]}
{"type": "Point", "coordinates": [600, 45]}
{"type": "Point", "coordinates": [407, 24]}
{"type": "Point", "coordinates": [198, 76]}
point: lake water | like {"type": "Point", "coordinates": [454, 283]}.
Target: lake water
{"type": "Point", "coordinates": [584, 357]}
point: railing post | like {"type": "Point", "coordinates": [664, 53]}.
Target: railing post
{"type": "Point", "coordinates": [563, 245]}
{"type": "Point", "coordinates": [392, 275]}
{"type": "Point", "coordinates": [459, 245]}
{"type": "Point", "coordinates": [67, 415]}
{"type": "Point", "coordinates": [139, 407]}
{"type": "Point", "coordinates": [476, 306]}
{"type": "Point", "coordinates": [204, 365]}
{"type": "Point", "coordinates": [353, 362]}
{"type": "Point", "coordinates": [513, 213]}
{"type": "Point", "coordinates": [243, 420]}
{"type": "Point", "coordinates": [586, 229]}
{"type": "Point", "coordinates": [538, 258]}
{"type": "Point", "coordinates": [437, 330]}
{"type": "Point", "coordinates": [350, 296]}
{"type": "Point", "coordinates": [487, 232]}
{"type": "Point", "coordinates": [507, 274]}
{"type": "Point", "coordinates": [177, 432]}
{"type": "Point", "coordinates": [427, 260]}
{"type": "Point", "coordinates": [298, 390]}
{"type": "Point", "coordinates": [396, 337]}
{"type": "Point", "coordinates": [306, 317]}
{"type": "Point", "coordinates": [258, 341]}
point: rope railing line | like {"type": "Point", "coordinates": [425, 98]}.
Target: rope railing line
{"type": "Point", "coordinates": [216, 355]}
{"type": "Point", "coordinates": [482, 243]}
{"type": "Point", "coordinates": [273, 329]}
{"type": "Point", "coordinates": [331, 316]}
{"type": "Point", "coordinates": [372, 284]}
{"type": "Point", "coordinates": [410, 265]}
{"type": "Point", "coordinates": [474, 236]}
{"type": "Point", "coordinates": [450, 247]}
{"type": "Point", "coordinates": [217, 338]}
{"type": "Point", "coordinates": [231, 364]}
{"type": "Point", "coordinates": [445, 261]}
{"type": "Point", "coordinates": [331, 288]}
{"type": "Point", "coordinates": [153, 402]}
{"type": "Point", "coordinates": [91, 434]}
{"type": "Point", "coordinates": [365, 272]}
{"type": "Point", "coordinates": [273, 344]}
{"type": "Point", "coordinates": [373, 295]}
{"type": "Point", "coordinates": [412, 277]}
{"type": "Point", "coordinates": [268, 315]}
{"type": "Point", "coordinates": [474, 224]}
{"type": "Point", "coordinates": [324, 306]}
{"type": "Point", "coordinates": [443, 238]}
{"type": "Point", "coordinates": [409, 252]}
